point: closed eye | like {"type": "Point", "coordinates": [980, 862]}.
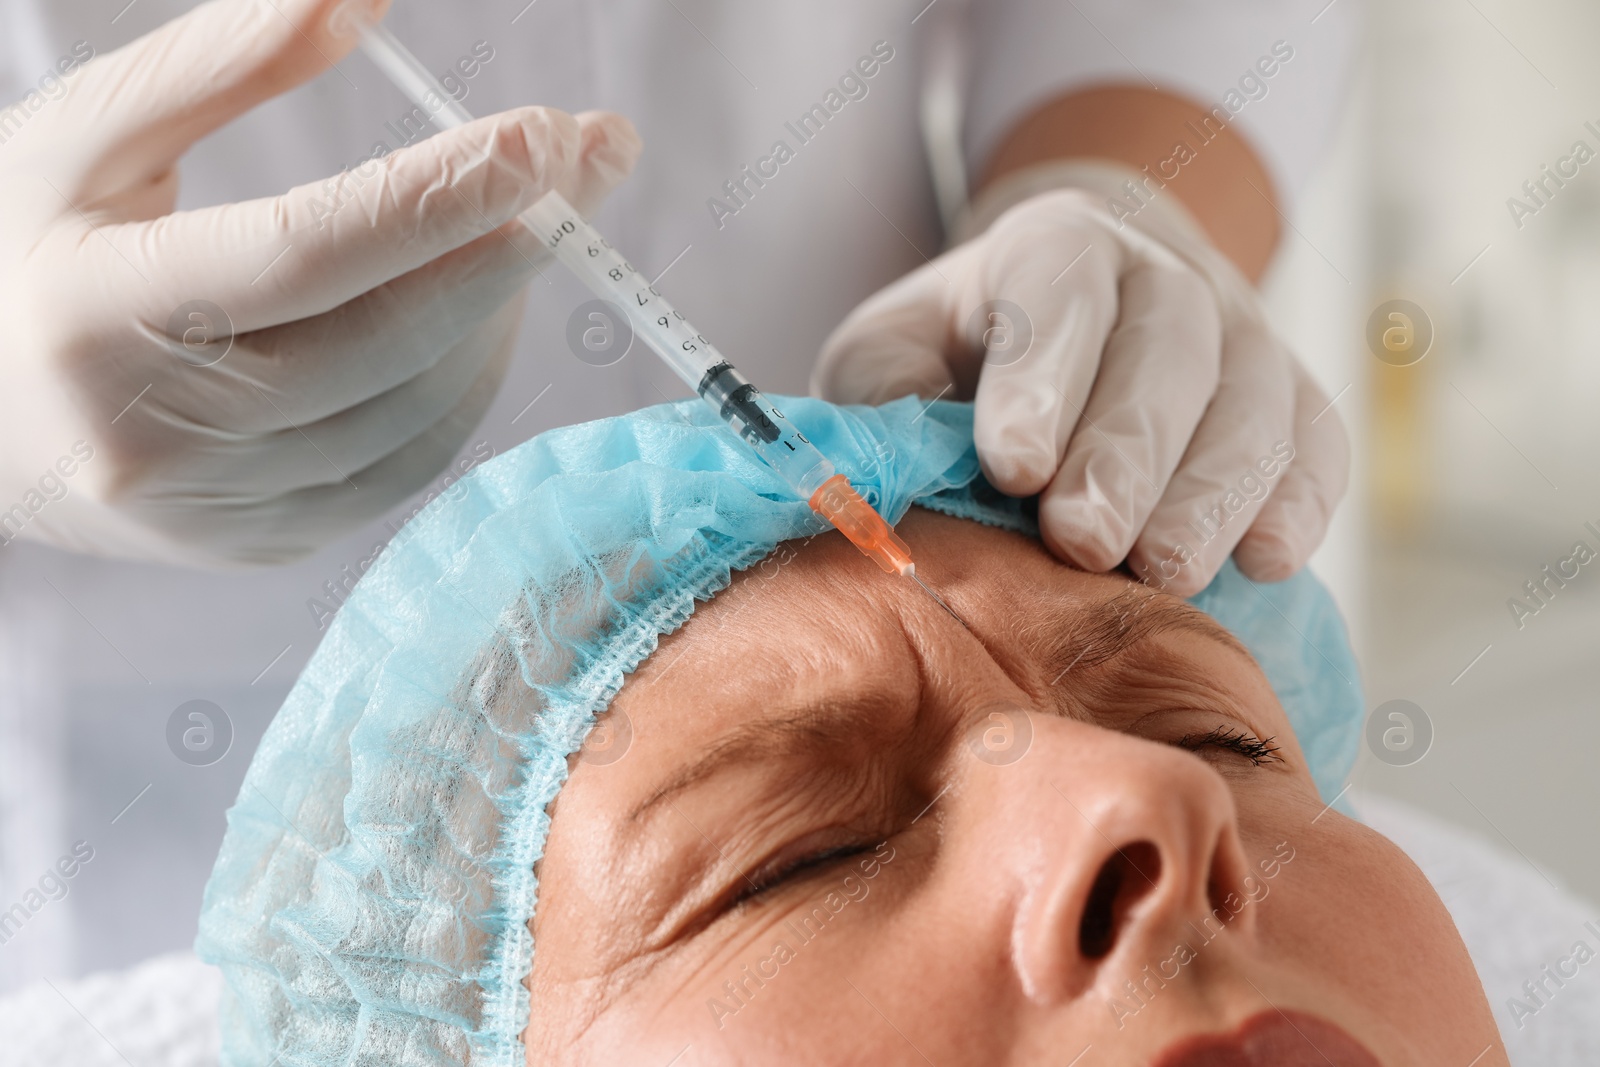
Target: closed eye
{"type": "Point", "coordinates": [1257, 750]}
{"type": "Point", "coordinates": [772, 874]}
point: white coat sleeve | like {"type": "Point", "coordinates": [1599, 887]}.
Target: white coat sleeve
{"type": "Point", "coordinates": [1023, 53]}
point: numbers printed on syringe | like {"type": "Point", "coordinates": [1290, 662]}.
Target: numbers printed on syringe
{"type": "Point", "coordinates": [619, 273]}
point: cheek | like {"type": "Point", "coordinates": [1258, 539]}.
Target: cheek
{"type": "Point", "coordinates": [1353, 919]}
{"type": "Point", "coordinates": [771, 986]}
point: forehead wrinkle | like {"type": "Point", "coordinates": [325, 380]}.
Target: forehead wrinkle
{"type": "Point", "coordinates": [845, 711]}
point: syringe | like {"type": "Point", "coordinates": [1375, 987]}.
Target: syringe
{"type": "Point", "coordinates": [741, 405]}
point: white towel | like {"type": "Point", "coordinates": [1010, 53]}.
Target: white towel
{"type": "Point", "coordinates": [162, 1013]}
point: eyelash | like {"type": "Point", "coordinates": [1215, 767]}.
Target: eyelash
{"type": "Point", "coordinates": [755, 887]}
{"type": "Point", "coordinates": [1255, 749]}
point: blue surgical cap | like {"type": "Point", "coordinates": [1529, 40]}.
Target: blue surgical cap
{"type": "Point", "coordinates": [371, 901]}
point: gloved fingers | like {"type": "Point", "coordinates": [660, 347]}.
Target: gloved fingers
{"type": "Point", "coordinates": [333, 449]}
{"type": "Point", "coordinates": [895, 342]}
{"type": "Point", "coordinates": [1039, 315]}
{"type": "Point", "coordinates": [394, 477]}
{"type": "Point", "coordinates": [276, 260]}
{"type": "Point", "coordinates": [608, 148]}
{"type": "Point", "coordinates": [1157, 374]}
{"type": "Point", "coordinates": [284, 528]}
{"type": "Point", "coordinates": [368, 346]}
{"type": "Point", "coordinates": [1295, 518]}
{"type": "Point", "coordinates": [1234, 460]}
{"type": "Point", "coordinates": [365, 348]}
{"type": "Point", "coordinates": [138, 109]}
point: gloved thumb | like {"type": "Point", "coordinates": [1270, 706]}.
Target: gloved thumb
{"type": "Point", "coordinates": [138, 109]}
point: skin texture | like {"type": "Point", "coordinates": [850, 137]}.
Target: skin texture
{"type": "Point", "coordinates": [1225, 187]}
{"type": "Point", "coordinates": [952, 929]}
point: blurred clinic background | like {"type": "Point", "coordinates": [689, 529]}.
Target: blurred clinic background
{"type": "Point", "coordinates": [1475, 467]}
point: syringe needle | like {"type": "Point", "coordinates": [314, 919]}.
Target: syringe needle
{"type": "Point", "coordinates": [937, 599]}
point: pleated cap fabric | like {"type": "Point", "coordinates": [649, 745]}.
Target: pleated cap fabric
{"type": "Point", "coordinates": [371, 900]}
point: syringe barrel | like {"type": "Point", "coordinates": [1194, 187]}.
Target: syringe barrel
{"type": "Point", "coordinates": [575, 243]}
{"type": "Point", "coordinates": [672, 337]}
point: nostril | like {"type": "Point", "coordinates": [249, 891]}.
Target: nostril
{"type": "Point", "coordinates": [1125, 877]}
{"type": "Point", "coordinates": [1097, 930]}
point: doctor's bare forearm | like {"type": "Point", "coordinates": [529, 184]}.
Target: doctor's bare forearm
{"type": "Point", "coordinates": [1221, 181]}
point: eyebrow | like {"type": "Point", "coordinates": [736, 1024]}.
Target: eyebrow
{"type": "Point", "coordinates": [1081, 640]}
{"type": "Point", "coordinates": [822, 726]}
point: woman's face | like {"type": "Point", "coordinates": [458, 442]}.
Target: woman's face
{"type": "Point", "coordinates": [848, 830]}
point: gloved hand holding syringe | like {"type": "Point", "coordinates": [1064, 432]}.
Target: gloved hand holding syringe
{"type": "Point", "coordinates": [740, 404]}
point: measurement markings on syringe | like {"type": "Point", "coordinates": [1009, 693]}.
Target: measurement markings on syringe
{"type": "Point", "coordinates": [719, 382]}
{"type": "Point", "coordinates": [740, 404]}
{"type": "Point", "coordinates": [618, 269]}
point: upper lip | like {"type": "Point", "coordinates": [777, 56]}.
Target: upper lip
{"type": "Point", "coordinates": [1272, 1039]}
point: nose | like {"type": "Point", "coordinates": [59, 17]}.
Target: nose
{"type": "Point", "coordinates": [1137, 852]}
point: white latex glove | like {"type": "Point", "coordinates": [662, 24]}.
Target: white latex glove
{"type": "Point", "coordinates": [1153, 393]}
{"type": "Point", "coordinates": [371, 325]}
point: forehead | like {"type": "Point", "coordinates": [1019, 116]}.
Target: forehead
{"type": "Point", "coordinates": [816, 622]}
{"type": "Point", "coordinates": [816, 608]}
